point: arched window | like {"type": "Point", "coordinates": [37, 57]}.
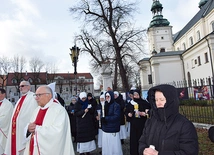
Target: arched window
{"type": "Point", "coordinates": [190, 41]}
{"type": "Point", "coordinates": [189, 79]}
{"type": "Point", "coordinates": [14, 81]}
{"type": "Point", "coordinates": [184, 46]}
{"type": "Point", "coordinates": [30, 80]}
{"type": "Point", "coordinates": [38, 80]}
{"type": "Point", "coordinates": [198, 35]}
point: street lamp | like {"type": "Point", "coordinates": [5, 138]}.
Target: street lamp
{"type": "Point", "coordinates": [74, 58]}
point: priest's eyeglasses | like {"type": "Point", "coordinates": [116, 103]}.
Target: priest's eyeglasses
{"type": "Point", "coordinates": [39, 95]}
{"type": "Point", "coordinates": [22, 85]}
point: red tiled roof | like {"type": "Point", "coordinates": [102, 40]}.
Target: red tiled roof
{"type": "Point", "coordinates": [43, 76]}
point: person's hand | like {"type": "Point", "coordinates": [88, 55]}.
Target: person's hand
{"type": "Point", "coordinates": [142, 113]}
{"type": "Point", "coordinates": [150, 151]}
{"type": "Point", "coordinates": [86, 110]}
{"type": "Point", "coordinates": [130, 114]}
{"type": "Point", "coordinates": [31, 127]}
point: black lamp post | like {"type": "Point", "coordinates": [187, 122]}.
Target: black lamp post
{"type": "Point", "coordinates": [74, 58]}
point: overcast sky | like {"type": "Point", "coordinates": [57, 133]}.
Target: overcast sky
{"type": "Point", "coordinates": [45, 28]}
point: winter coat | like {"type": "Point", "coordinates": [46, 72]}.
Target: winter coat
{"type": "Point", "coordinates": [121, 102]}
{"type": "Point", "coordinates": [85, 125]}
{"type": "Point", "coordinates": [166, 129]}
{"type": "Point", "coordinates": [111, 121]}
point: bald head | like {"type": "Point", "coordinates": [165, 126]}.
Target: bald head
{"type": "Point", "coordinates": [43, 95]}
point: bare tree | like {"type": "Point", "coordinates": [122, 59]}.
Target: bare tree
{"type": "Point", "coordinates": [36, 66]}
{"type": "Point", "coordinates": [5, 68]}
{"type": "Point", "coordinates": [51, 69]}
{"type": "Point", "coordinates": [116, 40]}
{"type": "Point", "coordinates": [18, 66]}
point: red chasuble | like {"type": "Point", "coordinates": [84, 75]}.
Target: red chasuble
{"type": "Point", "coordinates": [39, 120]}
{"type": "Point", "coordinates": [15, 115]}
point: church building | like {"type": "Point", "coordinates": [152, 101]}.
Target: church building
{"type": "Point", "coordinates": [185, 57]}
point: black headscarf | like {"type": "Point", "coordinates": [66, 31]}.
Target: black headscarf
{"type": "Point", "coordinates": [172, 101]}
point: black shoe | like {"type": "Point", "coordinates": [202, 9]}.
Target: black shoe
{"type": "Point", "coordinates": [88, 153]}
{"type": "Point", "coordinates": [100, 152]}
{"type": "Point", "coordinates": [82, 153]}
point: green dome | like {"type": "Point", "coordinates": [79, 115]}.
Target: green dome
{"type": "Point", "coordinates": [156, 5]}
{"type": "Point", "coordinates": [201, 3]}
{"type": "Point", "coordinates": [158, 21]}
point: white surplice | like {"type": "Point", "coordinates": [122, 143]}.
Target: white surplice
{"type": "Point", "coordinates": [6, 110]}
{"type": "Point", "coordinates": [28, 106]}
{"type": "Point", "coordinates": [54, 136]}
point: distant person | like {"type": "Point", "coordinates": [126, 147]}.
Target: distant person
{"type": "Point", "coordinates": [60, 99]}
{"type": "Point", "coordinates": [167, 132]}
{"type": "Point", "coordinates": [119, 99]}
{"type": "Point", "coordinates": [100, 108]}
{"type": "Point", "coordinates": [92, 100]}
{"type": "Point", "coordinates": [20, 117]}
{"type": "Point", "coordinates": [48, 131]}
{"type": "Point", "coordinates": [84, 113]}
{"type": "Point", "coordinates": [6, 110]}
{"type": "Point", "coordinates": [72, 117]}
{"type": "Point", "coordinates": [110, 122]}
{"type": "Point", "coordinates": [137, 113]}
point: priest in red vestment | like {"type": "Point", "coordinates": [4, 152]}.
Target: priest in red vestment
{"type": "Point", "coordinates": [48, 132]}
{"type": "Point", "coordinates": [21, 116]}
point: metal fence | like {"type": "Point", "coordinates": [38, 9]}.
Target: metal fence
{"type": "Point", "coordinates": [197, 99]}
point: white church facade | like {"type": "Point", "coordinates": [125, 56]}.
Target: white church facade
{"type": "Point", "coordinates": [187, 55]}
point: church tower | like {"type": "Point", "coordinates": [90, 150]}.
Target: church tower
{"type": "Point", "coordinates": [159, 32]}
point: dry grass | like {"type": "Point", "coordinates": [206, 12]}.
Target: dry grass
{"type": "Point", "coordinates": [206, 147]}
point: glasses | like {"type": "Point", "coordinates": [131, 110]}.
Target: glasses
{"type": "Point", "coordinates": [23, 85]}
{"type": "Point", "coordinates": [107, 96]}
{"type": "Point", "coordinates": [39, 95]}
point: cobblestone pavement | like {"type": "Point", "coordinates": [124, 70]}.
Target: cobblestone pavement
{"type": "Point", "coordinates": [125, 147]}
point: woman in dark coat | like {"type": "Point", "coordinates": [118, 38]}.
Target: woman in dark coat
{"type": "Point", "coordinates": [72, 117]}
{"type": "Point", "coordinates": [167, 132]}
{"type": "Point", "coordinates": [136, 112]}
{"type": "Point", "coordinates": [84, 113]}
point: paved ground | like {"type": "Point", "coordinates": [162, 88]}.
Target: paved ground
{"type": "Point", "coordinates": [96, 152]}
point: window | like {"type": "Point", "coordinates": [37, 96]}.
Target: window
{"type": "Point", "coordinates": [199, 61]}
{"type": "Point", "coordinates": [66, 88]}
{"type": "Point", "coordinates": [193, 63]}
{"type": "Point", "coordinates": [150, 78]}
{"type": "Point", "coordinates": [212, 26]}
{"type": "Point", "coordinates": [178, 49]}
{"type": "Point", "coordinates": [38, 80]}
{"type": "Point", "coordinates": [30, 80]}
{"type": "Point", "coordinates": [206, 57]}
{"type": "Point", "coordinates": [162, 50]}
{"type": "Point", "coordinates": [162, 38]}
{"type": "Point", "coordinates": [198, 35]}
{"type": "Point", "coordinates": [184, 46]}
{"type": "Point", "coordinates": [191, 41]}
{"type": "Point", "coordinates": [14, 81]}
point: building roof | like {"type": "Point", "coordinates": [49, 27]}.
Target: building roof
{"type": "Point", "coordinates": [43, 76]}
{"type": "Point", "coordinates": [26, 76]}
{"type": "Point", "coordinates": [161, 54]}
{"type": "Point", "coordinates": [71, 75]}
{"type": "Point", "coordinates": [205, 9]}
